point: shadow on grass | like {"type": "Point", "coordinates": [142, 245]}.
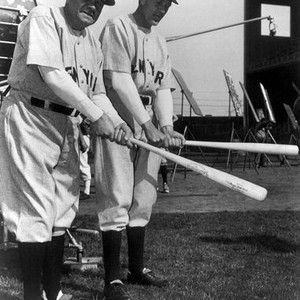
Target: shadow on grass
{"type": "Point", "coordinates": [4, 296]}
{"type": "Point", "coordinates": [268, 242]}
{"type": "Point", "coordinates": [83, 288]}
{"type": "Point", "coordinates": [228, 255]}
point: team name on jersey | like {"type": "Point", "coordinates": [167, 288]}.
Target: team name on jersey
{"type": "Point", "coordinates": [141, 68]}
{"type": "Point", "coordinates": [90, 79]}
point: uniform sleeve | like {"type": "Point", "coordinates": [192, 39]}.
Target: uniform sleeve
{"type": "Point", "coordinates": [100, 86]}
{"type": "Point", "coordinates": [43, 41]}
{"type": "Point", "coordinates": [106, 106]}
{"type": "Point", "coordinates": [66, 89]}
{"type": "Point", "coordinates": [163, 107]}
{"type": "Point", "coordinates": [116, 48]}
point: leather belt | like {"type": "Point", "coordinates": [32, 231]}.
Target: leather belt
{"type": "Point", "coordinates": [146, 99]}
{"type": "Point", "coordinates": [69, 111]}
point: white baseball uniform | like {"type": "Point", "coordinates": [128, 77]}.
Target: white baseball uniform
{"type": "Point", "coordinates": [39, 155]}
{"type": "Point", "coordinates": [127, 192]}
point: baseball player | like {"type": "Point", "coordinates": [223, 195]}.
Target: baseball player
{"type": "Point", "coordinates": [260, 132]}
{"type": "Point", "coordinates": [56, 73]}
{"type": "Point", "coordinates": [138, 80]}
{"type": "Point", "coordinates": [164, 174]}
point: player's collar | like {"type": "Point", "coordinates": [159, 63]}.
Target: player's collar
{"type": "Point", "coordinates": [77, 32]}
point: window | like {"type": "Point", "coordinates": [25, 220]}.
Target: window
{"type": "Point", "coordinates": [282, 19]}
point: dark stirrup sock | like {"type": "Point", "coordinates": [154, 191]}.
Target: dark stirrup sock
{"type": "Point", "coordinates": [164, 173]}
{"type": "Point", "coordinates": [136, 239]}
{"type": "Point", "coordinates": [111, 241]}
{"type": "Point", "coordinates": [32, 259]}
{"type": "Point", "coordinates": [52, 266]}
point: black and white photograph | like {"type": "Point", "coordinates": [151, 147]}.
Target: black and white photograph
{"type": "Point", "coordinates": [149, 149]}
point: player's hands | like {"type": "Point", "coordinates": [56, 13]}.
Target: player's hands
{"type": "Point", "coordinates": [153, 135]}
{"type": "Point", "coordinates": [123, 134]}
{"type": "Point", "coordinates": [104, 127]}
{"type": "Point", "coordinates": [172, 137]}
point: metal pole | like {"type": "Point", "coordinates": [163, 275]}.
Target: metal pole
{"type": "Point", "coordinates": [182, 98]}
{"type": "Point", "coordinates": [179, 37]}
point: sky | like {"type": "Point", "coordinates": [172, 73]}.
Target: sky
{"type": "Point", "coordinates": [200, 59]}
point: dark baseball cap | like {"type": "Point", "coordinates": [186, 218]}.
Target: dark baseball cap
{"type": "Point", "coordinates": [175, 1]}
{"type": "Point", "coordinates": [109, 2]}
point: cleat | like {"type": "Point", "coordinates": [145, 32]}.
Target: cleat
{"type": "Point", "coordinates": [146, 277]}
{"type": "Point", "coordinates": [84, 196]}
{"type": "Point", "coordinates": [60, 296]}
{"type": "Point", "coordinates": [166, 188]}
{"type": "Point", "coordinates": [115, 291]}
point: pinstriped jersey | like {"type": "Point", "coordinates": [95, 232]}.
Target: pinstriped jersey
{"type": "Point", "coordinates": [138, 51]}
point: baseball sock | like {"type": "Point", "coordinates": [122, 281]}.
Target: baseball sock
{"type": "Point", "coordinates": [32, 258]}
{"type": "Point", "coordinates": [164, 173]}
{"type": "Point", "coordinates": [111, 241]}
{"type": "Point", "coordinates": [52, 266]}
{"type": "Point", "coordinates": [136, 239]}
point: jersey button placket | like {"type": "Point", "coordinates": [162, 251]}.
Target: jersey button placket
{"type": "Point", "coordinates": [79, 48]}
{"type": "Point", "coordinates": [148, 68]}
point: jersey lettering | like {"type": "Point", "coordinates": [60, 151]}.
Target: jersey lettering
{"type": "Point", "coordinates": [159, 77]}
{"type": "Point", "coordinates": [152, 67]}
{"type": "Point", "coordinates": [89, 77]}
{"type": "Point", "coordinates": [141, 68]}
{"type": "Point", "coordinates": [72, 72]}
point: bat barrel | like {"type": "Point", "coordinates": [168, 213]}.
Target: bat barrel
{"type": "Point", "coordinates": [276, 149]}
{"type": "Point", "coordinates": [237, 184]}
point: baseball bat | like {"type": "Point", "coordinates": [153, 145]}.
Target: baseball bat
{"type": "Point", "coordinates": [277, 149]}
{"type": "Point", "coordinates": [237, 184]}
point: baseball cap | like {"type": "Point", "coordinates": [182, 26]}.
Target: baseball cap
{"type": "Point", "coordinates": [109, 2]}
{"type": "Point", "coordinates": [175, 1]}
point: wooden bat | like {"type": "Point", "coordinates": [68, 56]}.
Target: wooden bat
{"type": "Point", "coordinates": [277, 149]}
{"type": "Point", "coordinates": [237, 184]}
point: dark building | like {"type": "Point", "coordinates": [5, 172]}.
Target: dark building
{"type": "Point", "coordinates": [272, 60]}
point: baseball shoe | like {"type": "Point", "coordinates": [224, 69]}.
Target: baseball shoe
{"type": "Point", "coordinates": [84, 196]}
{"type": "Point", "coordinates": [146, 277]}
{"type": "Point", "coordinates": [166, 188]}
{"type": "Point", "coordinates": [60, 296]}
{"type": "Point", "coordinates": [115, 291]}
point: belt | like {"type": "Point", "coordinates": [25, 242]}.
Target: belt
{"type": "Point", "coordinates": [69, 111]}
{"type": "Point", "coordinates": [146, 99]}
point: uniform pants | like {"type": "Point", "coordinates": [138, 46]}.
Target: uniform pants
{"type": "Point", "coordinates": [125, 181]}
{"type": "Point", "coordinates": [39, 174]}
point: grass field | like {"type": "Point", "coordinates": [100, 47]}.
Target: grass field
{"type": "Point", "coordinates": [222, 255]}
